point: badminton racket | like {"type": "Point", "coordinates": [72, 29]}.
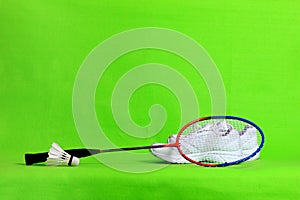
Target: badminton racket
{"type": "Point", "coordinates": [214, 141]}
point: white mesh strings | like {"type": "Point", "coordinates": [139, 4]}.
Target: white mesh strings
{"type": "Point", "coordinates": [216, 140]}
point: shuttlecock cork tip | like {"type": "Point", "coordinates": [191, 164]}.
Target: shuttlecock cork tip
{"type": "Point", "coordinates": [74, 161]}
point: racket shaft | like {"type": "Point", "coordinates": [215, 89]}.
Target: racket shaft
{"type": "Point", "coordinates": [135, 148]}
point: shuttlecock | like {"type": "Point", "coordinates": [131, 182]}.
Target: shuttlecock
{"type": "Point", "coordinates": [57, 156]}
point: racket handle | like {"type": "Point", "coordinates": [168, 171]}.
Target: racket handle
{"type": "Point", "coordinates": [35, 158]}
{"type": "Point", "coordinates": [42, 157]}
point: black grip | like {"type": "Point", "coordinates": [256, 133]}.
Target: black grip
{"type": "Point", "coordinates": [35, 158]}
{"type": "Point", "coordinates": [42, 157]}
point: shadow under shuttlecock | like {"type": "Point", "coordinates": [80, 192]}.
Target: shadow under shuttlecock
{"type": "Point", "coordinates": [37, 164]}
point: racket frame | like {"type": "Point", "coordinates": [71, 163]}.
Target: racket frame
{"type": "Point", "coordinates": [226, 163]}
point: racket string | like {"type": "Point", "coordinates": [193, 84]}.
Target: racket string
{"type": "Point", "coordinates": [210, 138]}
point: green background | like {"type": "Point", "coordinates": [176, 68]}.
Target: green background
{"type": "Point", "coordinates": [255, 45]}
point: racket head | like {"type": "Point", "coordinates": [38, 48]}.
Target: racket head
{"type": "Point", "coordinates": [211, 141]}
